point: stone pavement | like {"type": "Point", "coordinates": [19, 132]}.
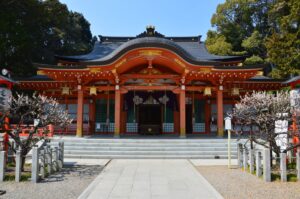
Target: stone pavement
{"type": "Point", "coordinates": [145, 179]}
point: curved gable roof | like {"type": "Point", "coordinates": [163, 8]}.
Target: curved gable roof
{"type": "Point", "coordinates": [110, 48]}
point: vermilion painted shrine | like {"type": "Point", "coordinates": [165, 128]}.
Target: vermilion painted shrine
{"type": "Point", "coordinates": [148, 84]}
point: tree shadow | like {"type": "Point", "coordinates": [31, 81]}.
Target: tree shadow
{"type": "Point", "coordinates": [73, 170]}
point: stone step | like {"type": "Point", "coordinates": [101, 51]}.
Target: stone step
{"type": "Point", "coordinates": [81, 140]}
{"type": "Point", "coordinates": [149, 145]}
{"type": "Point", "coordinates": [80, 152]}
{"type": "Point", "coordinates": [146, 148]}
{"type": "Point", "coordinates": [157, 148]}
{"type": "Point", "coordinates": [149, 156]}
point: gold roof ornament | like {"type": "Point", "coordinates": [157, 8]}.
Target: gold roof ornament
{"type": "Point", "coordinates": [207, 91]}
{"type": "Point", "coordinates": [65, 90]}
{"type": "Point", "coordinates": [93, 90]}
{"type": "Point", "coordinates": [260, 73]}
{"type": "Point", "coordinates": [235, 91]}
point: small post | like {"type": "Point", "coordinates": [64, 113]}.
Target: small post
{"type": "Point", "coordinates": [55, 158]}
{"type": "Point", "coordinates": [229, 149]}
{"type": "Point", "coordinates": [43, 163]}
{"type": "Point", "coordinates": [228, 128]}
{"type": "Point", "coordinates": [53, 163]}
{"type": "Point", "coordinates": [267, 166]}
{"type": "Point", "coordinates": [61, 150]}
{"type": "Point", "coordinates": [35, 165]}
{"type": "Point", "coordinates": [283, 167]}
{"type": "Point", "coordinates": [258, 164]}
{"type": "Point", "coordinates": [49, 159]}
{"type": "Point", "coordinates": [245, 159]}
{"type": "Point", "coordinates": [2, 165]}
{"type": "Point", "coordinates": [251, 160]}
{"type": "Point", "coordinates": [298, 163]}
{"type": "Point", "coordinates": [18, 172]}
{"type": "Point", "coordinates": [240, 155]}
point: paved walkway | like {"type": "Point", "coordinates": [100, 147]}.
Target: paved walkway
{"type": "Point", "coordinates": [145, 179]}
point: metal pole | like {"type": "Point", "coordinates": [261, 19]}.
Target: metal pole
{"type": "Point", "coordinates": [229, 149]}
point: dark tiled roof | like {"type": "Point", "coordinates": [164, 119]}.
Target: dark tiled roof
{"type": "Point", "coordinates": [7, 79]}
{"type": "Point", "coordinates": [109, 48]}
{"type": "Point", "coordinates": [35, 78]}
{"type": "Point", "coordinates": [260, 78]}
{"type": "Point", "coordinates": [294, 79]}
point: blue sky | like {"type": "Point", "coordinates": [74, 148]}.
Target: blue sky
{"type": "Point", "coordinates": [130, 17]}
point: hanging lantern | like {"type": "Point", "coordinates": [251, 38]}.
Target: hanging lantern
{"type": "Point", "coordinates": [235, 91]}
{"type": "Point", "coordinates": [65, 91]}
{"type": "Point", "coordinates": [93, 90]}
{"type": "Point", "coordinates": [207, 91]}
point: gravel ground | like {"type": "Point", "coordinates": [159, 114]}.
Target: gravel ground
{"type": "Point", "coordinates": [236, 184]}
{"type": "Point", "coordinates": [68, 184]}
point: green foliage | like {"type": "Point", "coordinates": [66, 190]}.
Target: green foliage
{"type": "Point", "coordinates": [284, 43]}
{"type": "Point", "coordinates": [11, 176]}
{"type": "Point", "coordinates": [254, 44]}
{"type": "Point", "coordinates": [34, 31]}
{"type": "Point", "coordinates": [268, 30]}
{"type": "Point", "coordinates": [217, 44]}
{"type": "Point", "coordinates": [254, 60]}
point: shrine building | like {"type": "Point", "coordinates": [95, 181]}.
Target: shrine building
{"type": "Point", "coordinates": [148, 84]}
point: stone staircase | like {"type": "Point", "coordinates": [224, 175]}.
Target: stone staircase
{"type": "Point", "coordinates": [93, 148]}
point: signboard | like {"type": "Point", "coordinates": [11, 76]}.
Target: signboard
{"type": "Point", "coordinates": [228, 123]}
{"type": "Point", "coordinates": [281, 128]}
{"type": "Point", "coordinates": [5, 98]}
{"type": "Point", "coordinates": [295, 98]}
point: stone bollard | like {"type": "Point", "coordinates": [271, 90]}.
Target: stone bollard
{"type": "Point", "coordinates": [61, 151]}
{"type": "Point", "coordinates": [240, 155]}
{"type": "Point", "coordinates": [283, 167]}
{"type": "Point", "coordinates": [18, 172]}
{"type": "Point", "coordinates": [49, 159]}
{"type": "Point", "coordinates": [2, 165]}
{"type": "Point", "coordinates": [251, 160]}
{"type": "Point", "coordinates": [258, 164]}
{"type": "Point", "coordinates": [298, 163]}
{"type": "Point", "coordinates": [35, 165]}
{"type": "Point", "coordinates": [43, 163]}
{"type": "Point", "coordinates": [267, 166]}
{"type": "Point", "coordinates": [245, 159]}
{"type": "Point", "coordinates": [55, 158]}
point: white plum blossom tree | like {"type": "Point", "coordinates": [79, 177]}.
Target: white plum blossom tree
{"type": "Point", "coordinates": [260, 111]}
{"type": "Point", "coordinates": [25, 110]}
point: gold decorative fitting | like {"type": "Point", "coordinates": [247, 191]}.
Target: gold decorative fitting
{"type": "Point", "coordinates": [40, 72]}
{"type": "Point", "coordinates": [235, 91]}
{"type": "Point", "coordinates": [150, 52]}
{"type": "Point", "coordinates": [205, 70]}
{"type": "Point", "coordinates": [93, 90]}
{"type": "Point", "coordinates": [65, 91]}
{"type": "Point", "coordinates": [179, 62]}
{"type": "Point", "coordinates": [120, 63]}
{"type": "Point", "coordinates": [95, 70]}
{"type": "Point", "coordinates": [207, 91]}
{"type": "Point", "coordinates": [260, 73]}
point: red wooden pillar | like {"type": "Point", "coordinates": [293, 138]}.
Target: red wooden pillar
{"type": "Point", "coordinates": [220, 111]}
{"type": "Point", "coordinates": [182, 112]}
{"type": "Point", "coordinates": [79, 112]}
{"type": "Point", "coordinates": [117, 112]}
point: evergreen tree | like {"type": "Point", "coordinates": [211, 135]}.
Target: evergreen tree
{"type": "Point", "coordinates": [34, 31]}
{"type": "Point", "coordinates": [284, 44]}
